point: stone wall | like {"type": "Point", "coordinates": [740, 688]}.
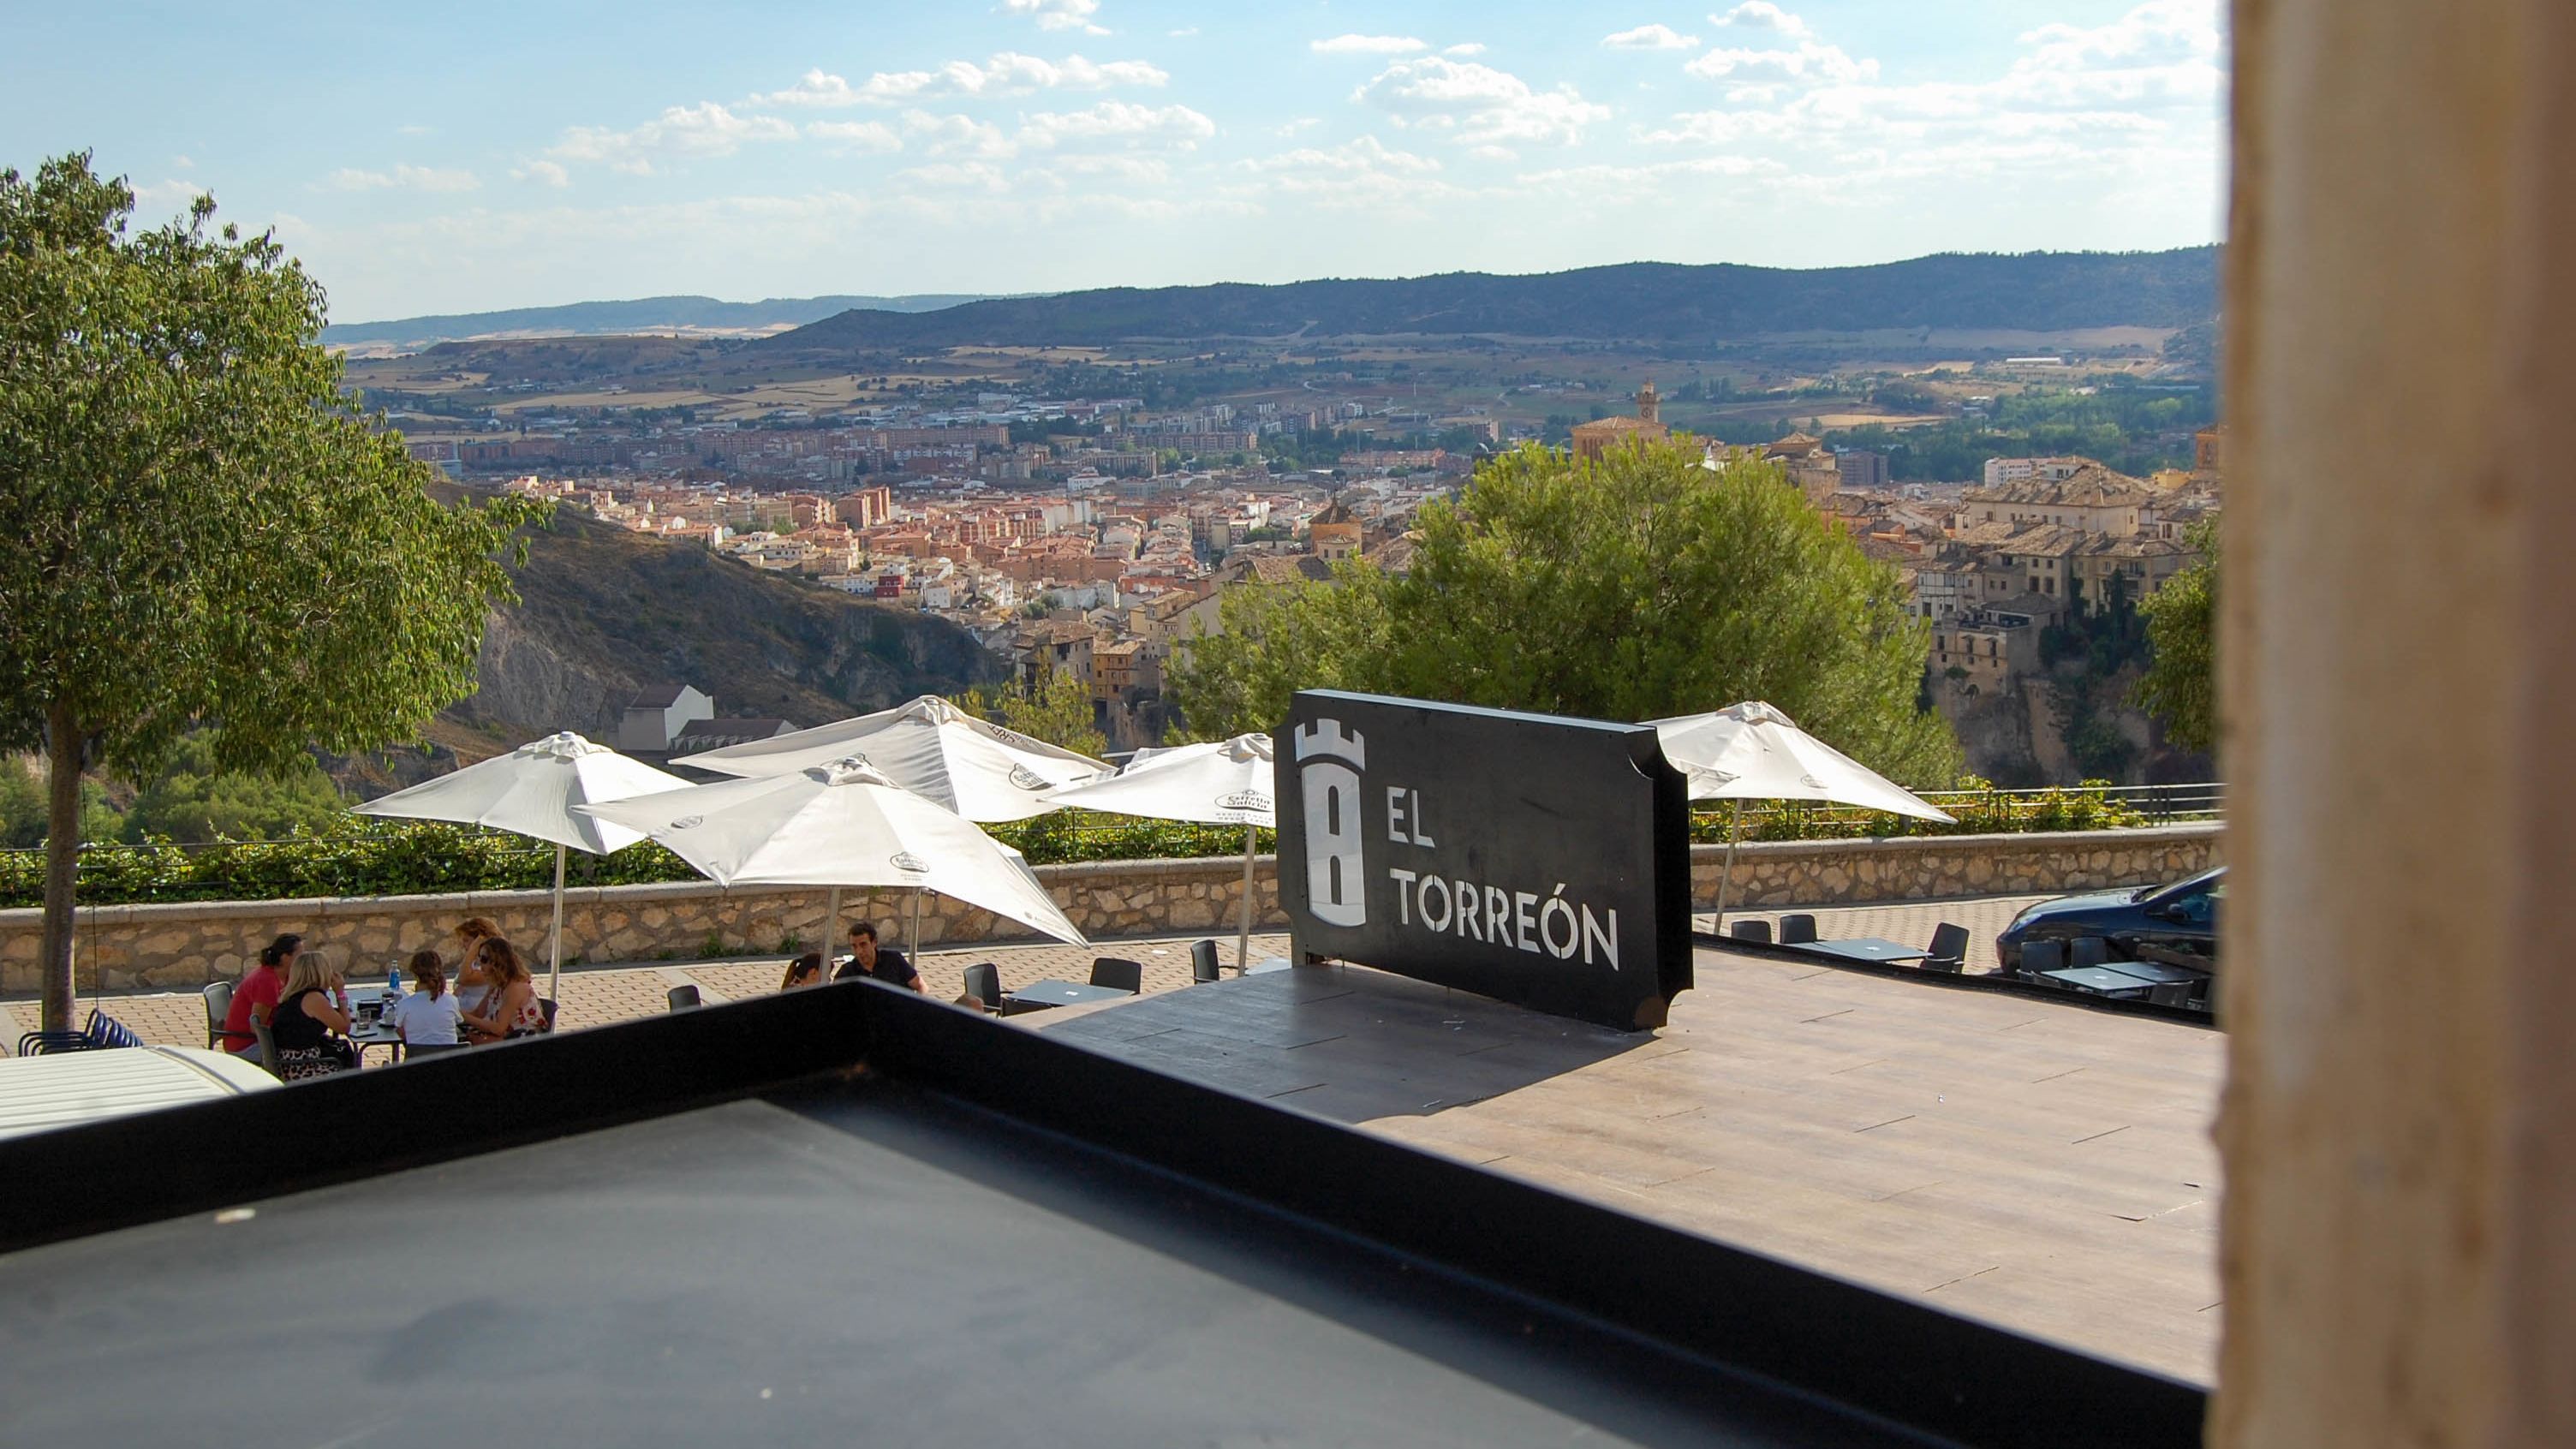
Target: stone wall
{"type": "Point", "coordinates": [187, 945]}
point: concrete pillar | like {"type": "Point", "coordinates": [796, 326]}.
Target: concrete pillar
{"type": "Point", "coordinates": [2399, 627]}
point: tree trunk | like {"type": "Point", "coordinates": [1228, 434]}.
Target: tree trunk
{"type": "Point", "coordinates": [62, 862]}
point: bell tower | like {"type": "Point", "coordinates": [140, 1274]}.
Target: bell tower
{"type": "Point", "coordinates": [1650, 404]}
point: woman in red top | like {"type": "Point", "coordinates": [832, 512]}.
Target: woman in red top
{"type": "Point", "coordinates": [257, 994]}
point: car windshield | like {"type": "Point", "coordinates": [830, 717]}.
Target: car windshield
{"type": "Point", "coordinates": [2211, 883]}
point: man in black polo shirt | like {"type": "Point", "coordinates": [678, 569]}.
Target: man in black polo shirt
{"type": "Point", "coordinates": [881, 963]}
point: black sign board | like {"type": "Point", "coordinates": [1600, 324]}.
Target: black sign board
{"type": "Point", "coordinates": [1529, 858]}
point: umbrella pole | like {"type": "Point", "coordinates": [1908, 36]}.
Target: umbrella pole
{"type": "Point", "coordinates": [831, 920]}
{"type": "Point", "coordinates": [1726, 876]}
{"type": "Point", "coordinates": [914, 955]}
{"type": "Point", "coordinates": [554, 975]}
{"type": "Point", "coordinates": [1243, 942]}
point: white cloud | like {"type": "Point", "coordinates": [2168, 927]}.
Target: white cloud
{"type": "Point", "coordinates": [551, 173]}
{"type": "Point", "coordinates": [1793, 52]}
{"type": "Point", "coordinates": [183, 163]}
{"type": "Point", "coordinates": [1483, 106]}
{"type": "Point", "coordinates": [1171, 127]}
{"type": "Point", "coordinates": [1184, 33]}
{"type": "Point", "coordinates": [1465, 47]}
{"type": "Point", "coordinates": [1006, 74]}
{"type": "Point", "coordinates": [871, 138]}
{"type": "Point", "coordinates": [1364, 174]}
{"type": "Point", "coordinates": [1301, 123]}
{"type": "Point", "coordinates": [1649, 37]}
{"type": "Point", "coordinates": [1368, 45]}
{"type": "Point", "coordinates": [958, 136]}
{"type": "Point", "coordinates": [403, 178]}
{"type": "Point", "coordinates": [1058, 14]}
{"type": "Point", "coordinates": [682, 132]}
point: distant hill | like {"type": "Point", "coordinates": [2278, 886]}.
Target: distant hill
{"type": "Point", "coordinates": [603, 611]}
{"type": "Point", "coordinates": [649, 314]}
{"type": "Point", "coordinates": [1640, 301]}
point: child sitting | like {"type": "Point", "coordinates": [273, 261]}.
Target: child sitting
{"type": "Point", "coordinates": [426, 1017]}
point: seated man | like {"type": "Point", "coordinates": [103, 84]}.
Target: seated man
{"type": "Point", "coordinates": [883, 963]}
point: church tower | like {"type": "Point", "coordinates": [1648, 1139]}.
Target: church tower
{"type": "Point", "coordinates": [1650, 404]}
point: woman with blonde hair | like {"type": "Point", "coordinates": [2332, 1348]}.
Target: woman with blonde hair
{"type": "Point", "coordinates": [310, 1024]}
{"type": "Point", "coordinates": [471, 933]}
{"type": "Point", "coordinates": [509, 1007]}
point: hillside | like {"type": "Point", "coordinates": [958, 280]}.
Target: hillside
{"type": "Point", "coordinates": [646, 314]}
{"type": "Point", "coordinates": [604, 611]}
{"type": "Point", "coordinates": [1643, 301]}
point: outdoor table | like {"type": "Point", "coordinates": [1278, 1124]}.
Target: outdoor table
{"type": "Point", "coordinates": [363, 1037]}
{"type": "Point", "coordinates": [2157, 972]}
{"type": "Point", "coordinates": [1064, 993]}
{"type": "Point", "coordinates": [2101, 980]}
{"type": "Point", "coordinates": [1266, 964]}
{"type": "Point", "coordinates": [1864, 948]}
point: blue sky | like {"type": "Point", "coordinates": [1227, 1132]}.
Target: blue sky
{"type": "Point", "coordinates": [468, 156]}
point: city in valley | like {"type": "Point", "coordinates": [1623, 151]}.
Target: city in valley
{"type": "Point", "coordinates": [1080, 508]}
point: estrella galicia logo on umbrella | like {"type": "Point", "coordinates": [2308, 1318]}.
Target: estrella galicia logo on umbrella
{"type": "Point", "coordinates": [1328, 765]}
{"type": "Point", "coordinates": [907, 862]}
{"type": "Point", "coordinates": [1244, 800]}
{"type": "Point", "coordinates": [1027, 779]}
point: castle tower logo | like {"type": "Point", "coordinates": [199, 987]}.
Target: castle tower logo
{"type": "Point", "coordinates": [1328, 765]}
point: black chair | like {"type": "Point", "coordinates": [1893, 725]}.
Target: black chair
{"type": "Point", "coordinates": [2088, 951]}
{"type": "Point", "coordinates": [267, 1044]}
{"type": "Point", "coordinates": [1203, 961]}
{"type": "Point", "coordinates": [2040, 957]}
{"type": "Point", "coordinates": [1127, 976]}
{"type": "Point", "coordinates": [1949, 948]}
{"type": "Point", "coordinates": [219, 1004]}
{"type": "Point", "coordinates": [1756, 931]}
{"type": "Point", "coordinates": [547, 1005]}
{"type": "Point", "coordinates": [683, 997]}
{"type": "Point", "coordinates": [984, 983]}
{"type": "Point", "coordinates": [2171, 993]}
{"type": "Point", "coordinates": [415, 1050]}
{"type": "Point", "coordinates": [1797, 930]}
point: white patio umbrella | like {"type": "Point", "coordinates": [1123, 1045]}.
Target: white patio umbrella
{"type": "Point", "coordinates": [976, 768]}
{"type": "Point", "coordinates": [1224, 783]}
{"type": "Point", "coordinates": [841, 824]}
{"type": "Point", "coordinates": [531, 791]}
{"type": "Point", "coordinates": [1751, 751]}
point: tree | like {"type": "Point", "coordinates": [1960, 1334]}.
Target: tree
{"type": "Point", "coordinates": [194, 799]}
{"type": "Point", "coordinates": [1056, 709]}
{"type": "Point", "coordinates": [2181, 684]}
{"type": "Point", "coordinates": [1627, 587]}
{"type": "Point", "coordinates": [202, 533]}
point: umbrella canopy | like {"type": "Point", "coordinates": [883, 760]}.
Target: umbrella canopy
{"type": "Point", "coordinates": [931, 747]}
{"type": "Point", "coordinates": [841, 824]}
{"type": "Point", "coordinates": [1224, 783]}
{"type": "Point", "coordinates": [531, 791]}
{"type": "Point", "coordinates": [1754, 752]}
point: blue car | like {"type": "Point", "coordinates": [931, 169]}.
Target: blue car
{"type": "Point", "coordinates": [2174, 924]}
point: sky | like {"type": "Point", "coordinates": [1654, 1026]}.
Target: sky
{"type": "Point", "coordinates": [470, 156]}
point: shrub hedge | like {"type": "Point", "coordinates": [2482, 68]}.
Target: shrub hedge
{"type": "Point", "coordinates": [360, 856]}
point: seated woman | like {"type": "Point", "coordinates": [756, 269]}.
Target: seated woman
{"type": "Point", "coordinates": [310, 1023]}
{"type": "Point", "coordinates": [465, 972]}
{"type": "Point", "coordinates": [509, 1007]}
{"type": "Point", "coordinates": [428, 1016]}
{"type": "Point", "coordinates": [805, 970]}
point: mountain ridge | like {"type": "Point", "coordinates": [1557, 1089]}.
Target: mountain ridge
{"type": "Point", "coordinates": [640, 314]}
{"type": "Point", "coordinates": [1632, 301]}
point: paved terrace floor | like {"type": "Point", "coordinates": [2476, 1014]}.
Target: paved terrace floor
{"type": "Point", "coordinates": [2034, 1163]}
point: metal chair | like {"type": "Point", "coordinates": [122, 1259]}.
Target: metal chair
{"type": "Point", "coordinates": [1202, 961]}
{"type": "Point", "coordinates": [1797, 930]}
{"type": "Point", "coordinates": [42, 1043]}
{"type": "Point", "coordinates": [1949, 948]}
{"type": "Point", "coordinates": [1124, 975]}
{"type": "Point", "coordinates": [683, 996]}
{"type": "Point", "coordinates": [267, 1045]}
{"type": "Point", "coordinates": [2088, 951]}
{"type": "Point", "coordinates": [219, 1004]}
{"type": "Point", "coordinates": [547, 1005]}
{"type": "Point", "coordinates": [984, 983]}
{"type": "Point", "coordinates": [1755, 931]}
{"type": "Point", "coordinates": [2041, 957]}
{"type": "Point", "coordinates": [2171, 993]}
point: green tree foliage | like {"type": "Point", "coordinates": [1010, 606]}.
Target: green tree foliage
{"type": "Point", "coordinates": [23, 808]}
{"type": "Point", "coordinates": [2133, 429]}
{"type": "Point", "coordinates": [1056, 709]}
{"type": "Point", "coordinates": [195, 799]}
{"type": "Point", "coordinates": [1628, 587]}
{"type": "Point", "coordinates": [201, 533]}
{"type": "Point", "coordinates": [2181, 685]}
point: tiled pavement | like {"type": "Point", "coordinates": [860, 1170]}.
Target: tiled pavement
{"type": "Point", "coordinates": [595, 996]}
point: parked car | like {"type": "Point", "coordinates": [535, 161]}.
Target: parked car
{"type": "Point", "coordinates": [2176, 924]}
{"type": "Point", "coordinates": [67, 1088]}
